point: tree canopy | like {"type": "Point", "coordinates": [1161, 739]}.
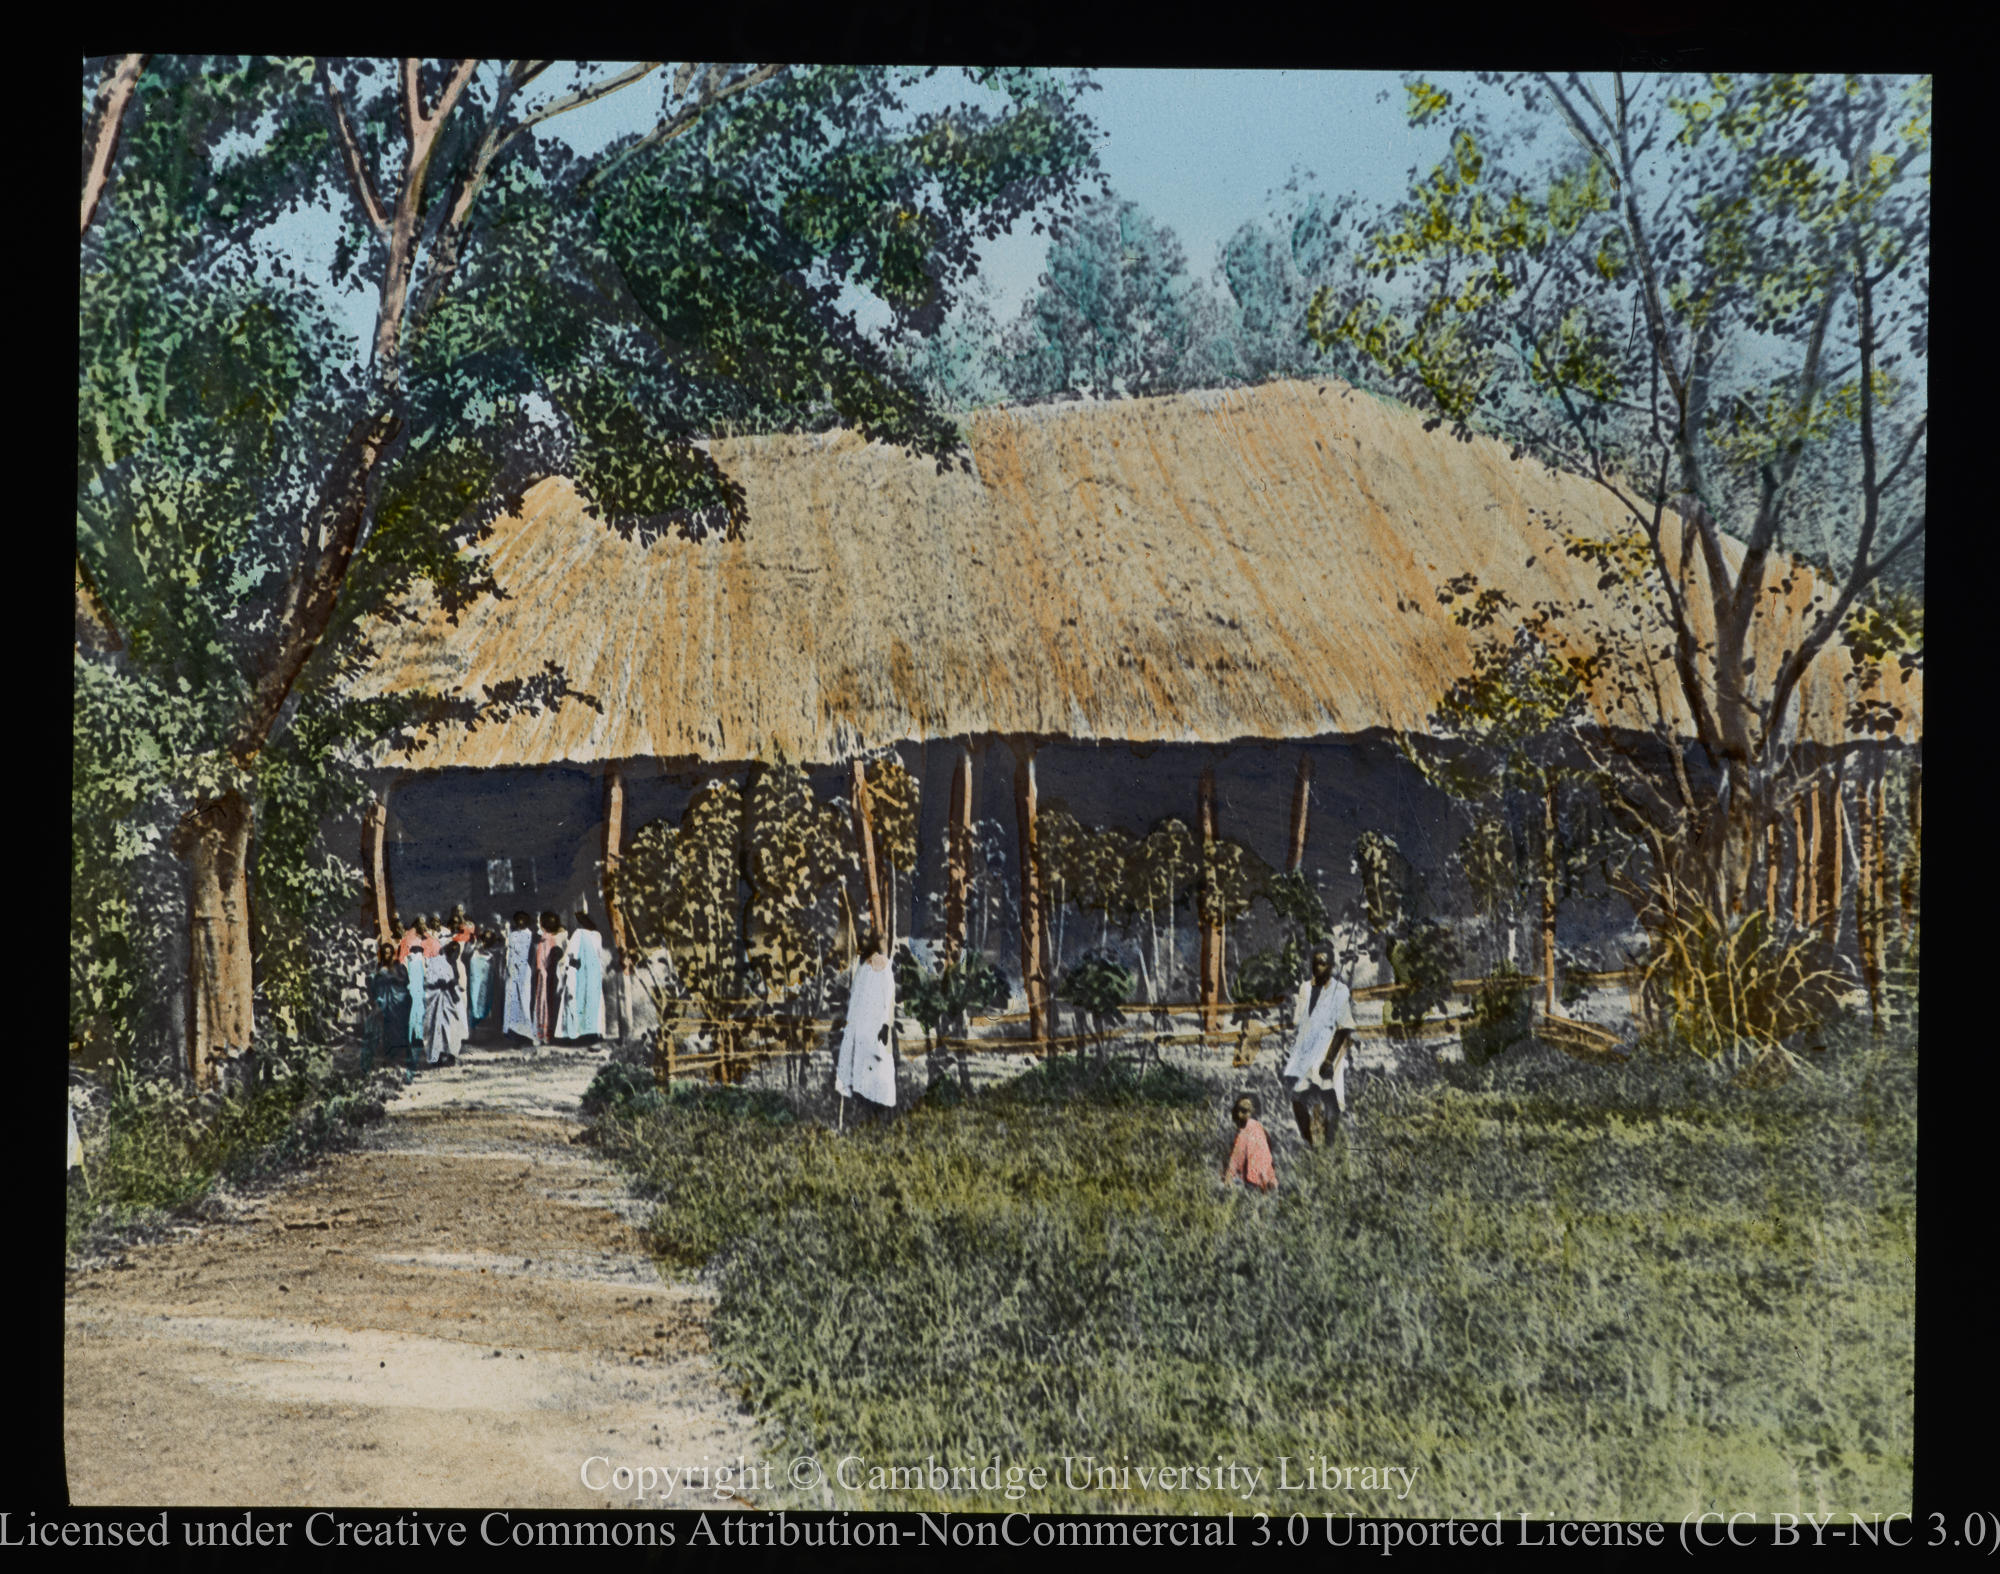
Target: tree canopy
{"type": "Point", "coordinates": [253, 486]}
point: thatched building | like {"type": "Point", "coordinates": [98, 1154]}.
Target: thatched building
{"type": "Point", "coordinates": [1176, 578]}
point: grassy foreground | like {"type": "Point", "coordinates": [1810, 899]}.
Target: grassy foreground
{"type": "Point", "coordinates": [152, 1150]}
{"type": "Point", "coordinates": [1538, 1286]}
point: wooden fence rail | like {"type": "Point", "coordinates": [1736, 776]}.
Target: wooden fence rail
{"type": "Point", "coordinates": [1244, 1040]}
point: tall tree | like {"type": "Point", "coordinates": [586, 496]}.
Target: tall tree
{"type": "Point", "coordinates": [533, 312]}
{"type": "Point", "coordinates": [1117, 314]}
{"type": "Point", "coordinates": [1715, 305]}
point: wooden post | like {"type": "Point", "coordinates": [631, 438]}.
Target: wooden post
{"type": "Point", "coordinates": [1831, 877]}
{"type": "Point", "coordinates": [1774, 854]}
{"type": "Point", "coordinates": [864, 832]}
{"type": "Point", "coordinates": [375, 867]}
{"type": "Point", "coordinates": [1801, 865]}
{"type": "Point", "coordinates": [959, 856]}
{"type": "Point", "coordinates": [1034, 974]}
{"type": "Point", "coordinates": [614, 858]}
{"type": "Point", "coordinates": [1211, 928]}
{"type": "Point", "coordinates": [1865, 917]}
{"type": "Point", "coordinates": [1912, 871]}
{"type": "Point", "coordinates": [1549, 900]}
{"type": "Point", "coordinates": [1301, 797]}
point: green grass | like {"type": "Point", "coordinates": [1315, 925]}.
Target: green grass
{"type": "Point", "coordinates": [1634, 1292]}
{"type": "Point", "coordinates": [160, 1150]}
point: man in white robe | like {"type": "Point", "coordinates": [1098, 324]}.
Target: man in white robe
{"type": "Point", "coordinates": [582, 1001]}
{"type": "Point", "coordinates": [867, 1064]}
{"type": "Point", "coordinates": [1316, 1073]}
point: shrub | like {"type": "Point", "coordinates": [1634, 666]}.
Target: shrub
{"type": "Point", "coordinates": [1738, 992]}
{"type": "Point", "coordinates": [1503, 1012]}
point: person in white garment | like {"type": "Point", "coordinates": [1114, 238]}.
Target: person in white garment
{"type": "Point", "coordinates": [517, 1000]}
{"type": "Point", "coordinates": [581, 1011]}
{"type": "Point", "coordinates": [1316, 1073]}
{"type": "Point", "coordinates": [866, 1068]}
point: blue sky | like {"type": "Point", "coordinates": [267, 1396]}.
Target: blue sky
{"type": "Point", "coordinates": [1202, 150]}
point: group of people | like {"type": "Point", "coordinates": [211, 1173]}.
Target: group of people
{"type": "Point", "coordinates": [446, 978]}
{"type": "Point", "coordinates": [1315, 1075]}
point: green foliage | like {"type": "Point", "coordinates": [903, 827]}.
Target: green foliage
{"type": "Point", "coordinates": [682, 889]}
{"type": "Point", "coordinates": [162, 1148]}
{"type": "Point", "coordinates": [1269, 974]}
{"type": "Point", "coordinates": [1424, 958]}
{"type": "Point", "coordinates": [795, 851]}
{"type": "Point", "coordinates": [596, 317]}
{"type": "Point", "coordinates": [621, 1089]}
{"type": "Point", "coordinates": [1386, 880]}
{"type": "Point", "coordinates": [1117, 315]}
{"type": "Point", "coordinates": [1637, 1261]}
{"type": "Point", "coordinates": [1502, 1011]}
{"type": "Point", "coordinates": [1740, 993]}
{"type": "Point", "coordinates": [1098, 985]}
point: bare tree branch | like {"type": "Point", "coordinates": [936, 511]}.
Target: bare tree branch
{"type": "Point", "coordinates": [100, 137]}
{"type": "Point", "coordinates": [350, 153]}
{"type": "Point", "coordinates": [684, 118]}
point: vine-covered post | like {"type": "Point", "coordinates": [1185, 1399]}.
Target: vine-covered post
{"type": "Point", "coordinates": [375, 866]}
{"type": "Point", "coordinates": [864, 833]}
{"type": "Point", "coordinates": [1549, 897]}
{"type": "Point", "coordinates": [1210, 916]}
{"type": "Point", "coordinates": [1034, 969]}
{"type": "Point", "coordinates": [959, 856]}
{"type": "Point", "coordinates": [1301, 799]}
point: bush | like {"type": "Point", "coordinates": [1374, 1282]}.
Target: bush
{"type": "Point", "coordinates": [1503, 1013]}
{"type": "Point", "coordinates": [1738, 992]}
{"type": "Point", "coordinates": [163, 1148]}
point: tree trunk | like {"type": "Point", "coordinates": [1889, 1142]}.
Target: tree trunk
{"type": "Point", "coordinates": [864, 833]}
{"type": "Point", "coordinates": [375, 868]}
{"type": "Point", "coordinates": [1211, 924]}
{"type": "Point", "coordinates": [614, 856]}
{"type": "Point", "coordinates": [1301, 798]}
{"type": "Point", "coordinates": [958, 856]}
{"type": "Point", "coordinates": [1034, 975]}
{"type": "Point", "coordinates": [1549, 899]}
{"type": "Point", "coordinates": [215, 842]}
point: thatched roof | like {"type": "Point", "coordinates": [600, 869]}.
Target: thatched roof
{"type": "Point", "coordinates": [1257, 564]}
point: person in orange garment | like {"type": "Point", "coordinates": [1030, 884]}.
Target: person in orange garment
{"type": "Point", "coordinates": [1250, 1159]}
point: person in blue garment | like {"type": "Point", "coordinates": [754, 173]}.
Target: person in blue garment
{"type": "Point", "coordinates": [479, 976]}
{"type": "Point", "coordinates": [517, 999]}
{"type": "Point", "coordinates": [582, 1001]}
{"type": "Point", "coordinates": [441, 1005]}
{"type": "Point", "coordinates": [389, 997]}
{"type": "Point", "coordinates": [413, 966]}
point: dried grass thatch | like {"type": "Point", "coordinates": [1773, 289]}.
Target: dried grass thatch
{"type": "Point", "coordinates": [1256, 564]}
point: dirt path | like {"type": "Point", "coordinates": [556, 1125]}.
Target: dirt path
{"type": "Point", "coordinates": [458, 1314]}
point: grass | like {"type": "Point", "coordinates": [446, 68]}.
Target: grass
{"type": "Point", "coordinates": [1635, 1292]}
{"type": "Point", "coordinates": [158, 1150]}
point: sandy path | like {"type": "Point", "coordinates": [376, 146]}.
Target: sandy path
{"type": "Point", "coordinates": [458, 1314]}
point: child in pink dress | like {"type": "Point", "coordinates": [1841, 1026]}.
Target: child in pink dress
{"type": "Point", "coordinates": [1250, 1159]}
